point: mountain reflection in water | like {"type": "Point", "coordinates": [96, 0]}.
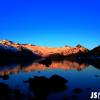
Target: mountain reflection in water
{"type": "Point", "coordinates": [65, 65]}
{"type": "Point", "coordinates": [49, 79]}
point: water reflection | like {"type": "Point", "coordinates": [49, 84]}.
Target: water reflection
{"type": "Point", "coordinates": [49, 79]}
{"type": "Point", "coordinates": [64, 64]}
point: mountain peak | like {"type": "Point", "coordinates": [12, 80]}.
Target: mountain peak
{"type": "Point", "coordinates": [5, 42]}
{"type": "Point", "coordinates": [80, 46]}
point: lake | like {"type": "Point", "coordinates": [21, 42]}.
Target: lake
{"type": "Point", "coordinates": [55, 80]}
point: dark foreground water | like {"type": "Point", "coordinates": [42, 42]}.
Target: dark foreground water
{"type": "Point", "coordinates": [58, 80]}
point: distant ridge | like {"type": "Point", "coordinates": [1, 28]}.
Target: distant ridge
{"type": "Point", "coordinates": [42, 51]}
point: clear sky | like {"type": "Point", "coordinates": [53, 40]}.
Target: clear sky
{"type": "Point", "coordinates": [51, 22]}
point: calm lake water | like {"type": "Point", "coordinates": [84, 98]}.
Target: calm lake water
{"type": "Point", "coordinates": [59, 80]}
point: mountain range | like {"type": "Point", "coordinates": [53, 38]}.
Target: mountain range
{"type": "Point", "coordinates": [23, 52]}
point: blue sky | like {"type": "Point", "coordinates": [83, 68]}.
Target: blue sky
{"type": "Point", "coordinates": [51, 22]}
